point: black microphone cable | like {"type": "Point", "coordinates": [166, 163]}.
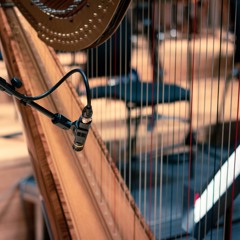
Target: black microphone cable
{"type": "Point", "coordinates": [52, 89]}
{"type": "Point", "coordinates": [79, 127]}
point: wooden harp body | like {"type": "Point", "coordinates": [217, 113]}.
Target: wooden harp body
{"type": "Point", "coordinates": [64, 218]}
{"type": "Point", "coordinates": [162, 159]}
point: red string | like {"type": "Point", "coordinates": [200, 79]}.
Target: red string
{"type": "Point", "coordinates": [235, 148]}
{"type": "Point", "coordinates": [191, 104]}
{"type": "Point", "coordinates": [115, 118]}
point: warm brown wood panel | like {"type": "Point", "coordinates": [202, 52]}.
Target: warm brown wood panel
{"type": "Point", "coordinates": [84, 194]}
{"type": "Point", "coordinates": [15, 166]}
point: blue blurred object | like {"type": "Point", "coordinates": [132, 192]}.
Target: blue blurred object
{"type": "Point", "coordinates": [137, 93]}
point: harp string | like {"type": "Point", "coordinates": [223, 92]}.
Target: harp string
{"type": "Point", "coordinates": [221, 107]}
{"type": "Point", "coordinates": [218, 98]}
{"type": "Point", "coordinates": [119, 116]}
{"type": "Point", "coordinates": [153, 53]}
{"type": "Point", "coordinates": [141, 117]}
{"type": "Point", "coordinates": [174, 124]}
{"type": "Point", "coordinates": [155, 188]}
{"type": "Point", "coordinates": [214, 29]}
{"type": "Point", "coordinates": [199, 147]}
{"type": "Point", "coordinates": [193, 38]}
{"type": "Point", "coordinates": [162, 214]}
{"type": "Point", "coordinates": [206, 57]}
{"type": "Point", "coordinates": [124, 69]}
{"type": "Point", "coordinates": [148, 159]}
{"type": "Point", "coordinates": [170, 126]}
{"type": "Point", "coordinates": [168, 64]}
{"type": "Point", "coordinates": [180, 173]}
{"type": "Point", "coordinates": [114, 153]}
{"type": "Point", "coordinates": [146, 119]}
{"type": "Point", "coordinates": [222, 110]}
{"type": "Point", "coordinates": [131, 120]}
{"type": "Point", "coordinates": [158, 7]}
{"type": "Point", "coordinates": [211, 98]}
{"type": "Point", "coordinates": [231, 209]}
{"type": "Point", "coordinates": [226, 84]}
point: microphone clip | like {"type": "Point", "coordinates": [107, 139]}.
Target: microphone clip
{"type": "Point", "coordinates": [81, 128]}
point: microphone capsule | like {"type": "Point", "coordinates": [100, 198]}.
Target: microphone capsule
{"type": "Point", "coordinates": [80, 131]}
{"type": "Point", "coordinates": [77, 147]}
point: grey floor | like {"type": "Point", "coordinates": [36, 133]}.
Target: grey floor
{"type": "Point", "coordinates": [160, 189]}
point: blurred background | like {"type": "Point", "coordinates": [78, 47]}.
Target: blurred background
{"type": "Point", "coordinates": [165, 91]}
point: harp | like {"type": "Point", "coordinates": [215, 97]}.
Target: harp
{"type": "Point", "coordinates": [161, 160]}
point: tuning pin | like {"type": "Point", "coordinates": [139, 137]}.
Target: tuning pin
{"type": "Point", "coordinates": [16, 82]}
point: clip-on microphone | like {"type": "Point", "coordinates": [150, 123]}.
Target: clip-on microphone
{"type": "Point", "coordinates": [79, 127]}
